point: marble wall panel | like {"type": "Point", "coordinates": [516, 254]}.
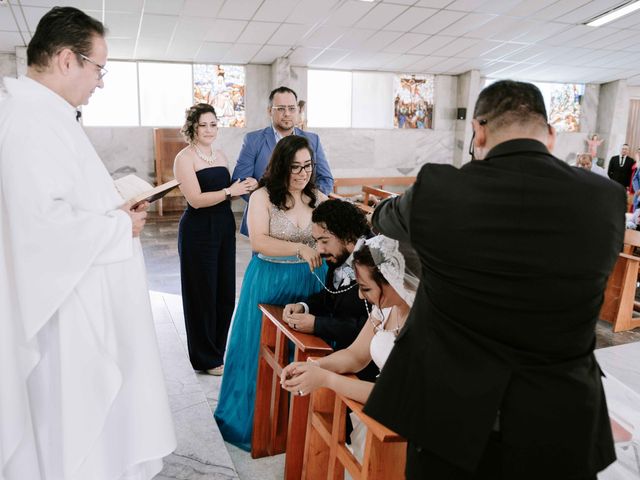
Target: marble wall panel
{"type": "Point", "coordinates": [613, 112]}
{"type": "Point", "coordinates": [258, 81]}
{"type": "Point", "coordinates": [589, 107]}
{"type": "Point", "coordinates": [445, 102]}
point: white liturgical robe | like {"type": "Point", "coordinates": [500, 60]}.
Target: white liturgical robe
{"type": "Point", "coordinates": [82, 395]}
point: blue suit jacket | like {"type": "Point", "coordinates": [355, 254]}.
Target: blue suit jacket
{"type": "Point", "coordinates": [256, 153]}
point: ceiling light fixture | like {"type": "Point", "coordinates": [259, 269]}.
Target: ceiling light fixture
{"type": "Point", "coordinates": [614, 14]}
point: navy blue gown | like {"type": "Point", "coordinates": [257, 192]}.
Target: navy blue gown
{"type": "Point", "coordinates": [207, 248]}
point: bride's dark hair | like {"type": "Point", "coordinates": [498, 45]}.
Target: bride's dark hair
{"type": "Point", "coordinates": [363, 257]}
{"type": "Point", "coordinates": [278, 173]}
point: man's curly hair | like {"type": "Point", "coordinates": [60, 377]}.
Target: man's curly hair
{"type": "Point", "coordinates": [343, 219]}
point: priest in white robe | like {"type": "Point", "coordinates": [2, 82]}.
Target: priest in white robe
{"type": "Point", "coordinates": [82, 395]}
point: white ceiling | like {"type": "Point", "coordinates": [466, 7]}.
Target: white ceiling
{"type": "Point", "coordinates": [541, 40]}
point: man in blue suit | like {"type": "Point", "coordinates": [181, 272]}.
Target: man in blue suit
{"type": "Point", "coordinates": [258, 145]}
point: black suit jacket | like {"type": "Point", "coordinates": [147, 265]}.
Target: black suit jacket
{"type": "Point", "coordinates": [339, 319]}
{"type": "Point", "coordinates": [515, 253]}
{"type": "Point", "coordinates": [621, 174]}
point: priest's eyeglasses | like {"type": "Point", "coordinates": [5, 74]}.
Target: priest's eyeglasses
{"type": "Point", "coordinates": [297, 169]}
{"type": "Point", "coordinates": [103, 71]}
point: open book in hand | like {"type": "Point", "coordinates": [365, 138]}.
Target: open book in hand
{"type": "Point", "coordinates": [134, 189]}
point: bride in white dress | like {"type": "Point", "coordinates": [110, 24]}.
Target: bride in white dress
{"type": "Point", "coordinates": [384, 284]}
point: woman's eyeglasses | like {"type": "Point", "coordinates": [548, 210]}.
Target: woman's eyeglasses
{"type": "Point", "coordinates": [298, 168]}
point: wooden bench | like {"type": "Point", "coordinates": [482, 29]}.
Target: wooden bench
{"type": "Point", "coordinates": [325, 452]}
{"type": "Point", "coordinates": [379, 182]}
{"type": "Point", "coordinates": [619, 295]}
{"type": "Point", "coordinates": [278, 426]}
{"type": "Point", "coordinates": [372, 189]}
{"type": "Point", "coordinates": [167, 142]}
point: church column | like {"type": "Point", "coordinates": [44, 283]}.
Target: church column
{"type": "Point", "coordinates": [613, 113]}
{"type": "Point", "coordinates": [469, 87]}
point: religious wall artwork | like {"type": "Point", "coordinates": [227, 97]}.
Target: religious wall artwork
{"type": "Point", "coordinates": [563, 104]}
{"type": "Point", "coordinates": [562, 101]}
{"type": "Point", "coordinates": [223, 87]}
{"type": "Point", "coordinates": [413, 101]}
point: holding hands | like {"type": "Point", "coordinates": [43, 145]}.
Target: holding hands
{"type": "Point", "coordinates": [293, 314]}
{"type": "Point", "coordinates": [242, 187]}
{"type": "Point", "coordinates": [302, 378]}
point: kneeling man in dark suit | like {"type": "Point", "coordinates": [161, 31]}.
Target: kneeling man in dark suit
{"type": "Point", "coordinates": [336, 313]}
{"type": "Point", "coordinates": [493, 375]}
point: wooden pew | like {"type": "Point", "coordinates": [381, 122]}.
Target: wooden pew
{"type": "Point", "coordinates": [325, 453]}
{"type": "Point", "coordinates": [373, 188]}
{"type": "Point", "coordinates": [167, 142]}
{"type": "Point", "coordinates": [379, 182]}
{"type": "Point", "coordinates": [619, 295]}
{"type": "Point", "coordinates": [278, 425]}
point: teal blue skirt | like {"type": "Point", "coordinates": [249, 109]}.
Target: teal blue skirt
{"type": "Point", "coordinates": [269, 280]}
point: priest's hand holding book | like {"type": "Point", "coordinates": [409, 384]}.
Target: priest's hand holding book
{"type": "Point", "coordinates": [138, 195]}
{"type": "Point", "coordinates": [138, 214]}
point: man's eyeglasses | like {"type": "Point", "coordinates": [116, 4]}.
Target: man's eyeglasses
{"type": "Point", "coordinates": [103, 71]}
{"type": "Point", "coordinates": [298, 168]}
{"type": "Point", "coordinates": [282, 109]}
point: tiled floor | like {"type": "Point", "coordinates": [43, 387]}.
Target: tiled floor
{"type": "Point", "coordinates": [201, 452]}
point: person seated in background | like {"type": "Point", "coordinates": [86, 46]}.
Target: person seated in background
{"type": "Point", "coordinates": [336, 313]}
{"type": "Point", "coordinates": [585, 161]}
{"type": "Point", "coordinates": [384, 284]}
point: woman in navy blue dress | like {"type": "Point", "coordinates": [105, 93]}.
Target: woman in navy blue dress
{"type": "Point", "coordinates": [206, 239]}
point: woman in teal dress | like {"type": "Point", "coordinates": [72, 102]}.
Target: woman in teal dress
{"type": "Point", "coordinates": [279, 219]}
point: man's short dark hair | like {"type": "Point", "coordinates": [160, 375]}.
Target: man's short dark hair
{"type": "Point", "coordinates": [342, 218]}
{"type": "Point", "coordinates": [507, 102]}
{"type": "Point", "coordinates": [62, 27]}
{"type": "Point", "coordinates": [281, 89]}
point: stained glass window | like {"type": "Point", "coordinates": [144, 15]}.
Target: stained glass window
{"type": "Point", "coordinates": [413, 101]}
{"type": "Point", "coordinates": [563, 104]}
{"type": "Point", "coordinates": [562, 101]}
{"type": "Point", "coordinates": [222, 86]}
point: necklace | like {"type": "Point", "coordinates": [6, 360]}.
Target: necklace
{"type": "Point", "coordinates": [334, 292]}
{"type": "Point", "coordinates": [380, 326]}
{"type": "Point", "coordinates": [210, 159]}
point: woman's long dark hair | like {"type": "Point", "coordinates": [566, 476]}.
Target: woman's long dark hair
{"type": "Point", "coordinates": [276, 178]}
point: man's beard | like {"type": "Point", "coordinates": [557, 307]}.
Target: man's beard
{"type": "Point", "coordinates": [339, 260]}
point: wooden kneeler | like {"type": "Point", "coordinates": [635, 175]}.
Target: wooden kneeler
{"type": "Point", "coordinates": [326, 455]}
{"type": "Point", "coordinates": [619, 295]}
{"type": "Point", "coordinates": [277, 423]}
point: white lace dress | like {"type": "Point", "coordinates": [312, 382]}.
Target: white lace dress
{"type": "Point", "coordinates": [380, 348]}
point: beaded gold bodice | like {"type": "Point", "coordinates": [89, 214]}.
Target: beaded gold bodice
{"type": "Point", "coordinates": [282, 228]}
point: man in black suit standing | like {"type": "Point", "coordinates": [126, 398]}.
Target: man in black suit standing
{"type": "Point", "coordinates": [620, 167]}
{"type": "Point", "coordinates": [336, 313]}
{"type": "Point", "coordinates": [493, 376]}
